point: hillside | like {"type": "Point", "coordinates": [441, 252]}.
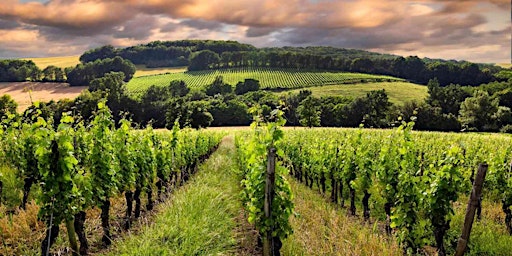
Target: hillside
{"type": "Point", "coordinates": [270, 78]}
{"type": "Point", "coordinates": [71, 61]}
{"type": "Point", "coordinates": [398, 92]}
{"type": "Point", "coordinates": [61, 62]}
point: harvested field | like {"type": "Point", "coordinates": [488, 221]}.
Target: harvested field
{"type": "Point", "coordinates": [24, 93]}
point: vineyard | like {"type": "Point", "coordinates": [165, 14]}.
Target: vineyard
{"type": "Point", "coordinates": [269, 78]}
{"type": "Point", "coordinates": [411, 187]}
{"type": "Point", "coordinates": [411, 181]}
{"type": "Point", "coordinates": [73, 169]}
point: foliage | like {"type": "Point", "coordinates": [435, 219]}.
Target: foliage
{"type": "Point", "coordinates": [447, 98]}
{"type": "Point", "coordinates": [248, 85]}
{"type": "Point", "coordinates": [419, 176]}
{"type": "Point", "coordinates": [83, 74]}
{"type": "Point", "coordinates": [7, 106]}
{"type": "Point", "coordinates": [53, 74]}
{"type": "Point", "coordinates": [309, 112]}
{"type": "Point", "coordinates": [203, 60]}
{"type": "Point", "coordinates": [79, 167]}
{"type": "Point", "coordinates": [102, 162]}
{"type": "Point", "coordinates": [476, 113]}
{"type": "Point", "coordinates": [218, 87]}
{"type": "Point", "coordinates": [253, 156]}
{"type": "Point", "coordinates": [56, 164]}
{"type": "Point", "coordinates": [178, 88]}
{"type": "Point", "coordinates": [19, 71]}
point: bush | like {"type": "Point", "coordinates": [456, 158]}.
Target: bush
{"type": "Point", "coordinates": [506, 129]}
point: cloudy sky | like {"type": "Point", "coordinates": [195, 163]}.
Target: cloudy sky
{"type": "Point", "coordinates": [475, 30]}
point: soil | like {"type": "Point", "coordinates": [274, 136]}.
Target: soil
{"type": "Point", "coordinates": [24, 93]}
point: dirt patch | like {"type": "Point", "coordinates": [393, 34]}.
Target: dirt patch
{"type": "Point", "coordinates": [24, 93]}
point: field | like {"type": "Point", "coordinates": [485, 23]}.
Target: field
{"type": "Point", "coordinates": [505, 65]}
{"type": "Point", "coordinates": [398, 92]}
{"type": "Point", "coordinates": [143, 71]}
{"type": "Point", "coordinates": [71, 61]}
{"type": "Point", "coordinates": [62, 62]}
{"type": "Point", "coordinates": [269, 78]}
{"type": "Point", "coordinates": [24, 93]}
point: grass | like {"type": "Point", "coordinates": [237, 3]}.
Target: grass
{"type": "Point", "coordinates": [62, 62]}
{"type": "Point", "coordinates": [321, 228]}
{"type": "Point", "coordinates": [398, 92]}
{"type": "Point", "coordinates": [200, 219]}
{"type": "Point", "coordinates": [269, 78]}
{"type": "Point", "coordinates": [489, 236]}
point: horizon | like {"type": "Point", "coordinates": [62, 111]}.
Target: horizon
{"type": "Point", "coordinates": [471, 30]}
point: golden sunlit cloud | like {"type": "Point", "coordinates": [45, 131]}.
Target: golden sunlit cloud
{"type": "Point", "coordinates": [428, 25]}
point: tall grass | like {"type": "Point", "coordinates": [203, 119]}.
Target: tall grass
{"type": "Point", "coordinates": [12, 188]}
{"type": "Point", "coordinates": [320, 228]}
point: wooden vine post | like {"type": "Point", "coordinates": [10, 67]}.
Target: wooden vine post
{"type": "Point", "coordinates": [268, 241]}
{"type": "Point", "coordinates": [470, 210]}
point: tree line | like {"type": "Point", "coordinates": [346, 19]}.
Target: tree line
{"type": "Point", "coordinates": [164, 53]}
{"type": "Point", "coordinates": [449, 108]}
{"type": "Point", "coordinates": [208, 54]}
{"type": "Point", "coordinates": [80, 75]}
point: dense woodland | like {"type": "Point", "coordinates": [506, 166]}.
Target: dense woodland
{"type": "Point", "coordinates": [201, 55]}
{"type": "Point", "coordinates": [455, 102]}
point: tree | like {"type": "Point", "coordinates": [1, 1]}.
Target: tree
{"type": "Point", "coordinates": [309, 112]}
{"type": "Point", "coordinates": [178, 88]}
{"type": "Point", "coordinates": [153, 105]}
{"type": "Point", "coordinates": [19, 71]}
{"type": "Point", "coordinates": [198, 115]}
{"type": "Point", "coordinates": [104, 52]}
{"type": "Point", "coordinates": [249, 85]}
{"type": "Point", "coordinates": [291, 102]}
{"type": "Point", "coordinates": [114, 90]}
{"type": "Point", "coordinates": [53, 74]}
{"type": "Point", "coordinates": [112, 83]}
{"type": "Point", "coordinates": [7, 106]}
{"type": "Point", "coordinates": [229, 112]}
{"type": "Point", "coordinates": [156, 93]}
{"type": "Point", "coordinates": [203, 60]}
{"type": "Point", "coordinates": [378, 107]}
{"type": "Point", "coordinates": [218, 87]}
{"type": "Point", "coordinates": [83, 74]}
{"type": "Point", "coordinates": [476, 113]}
{"type": "Point", "coordinates": [447, 98]}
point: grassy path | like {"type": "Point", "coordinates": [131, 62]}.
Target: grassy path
{"type": "Point", "coordinates": [321, 228]}
{"type": "Point", "coordinates": [201, 218]}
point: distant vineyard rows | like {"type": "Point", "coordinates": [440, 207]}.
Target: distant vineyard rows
{"type": "Point", "coordinates": [269, 78]}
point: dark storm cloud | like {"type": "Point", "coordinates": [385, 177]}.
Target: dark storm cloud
{"type": "Point", "coordinates": [169, 27]}
{"type": "Point", "coordinates": [138, 28]}
{"type": "Point", "coordinates": [259, 31]}
{"type": "Point", "coordinates": [9, 24]}
{"type": "Point", "coordinates": [202, 24]}
{"type": "Point", "coordinates": [349, 38]}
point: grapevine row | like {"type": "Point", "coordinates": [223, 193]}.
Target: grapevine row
{"type": "Point", "coordinates": [267, 195]}
{"type": "Point", "coordinates": [412, 179]}
{"type": "Point", "coordinates": [270, 78]}
{"type": "Point", "coordinates": [80, 167]}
